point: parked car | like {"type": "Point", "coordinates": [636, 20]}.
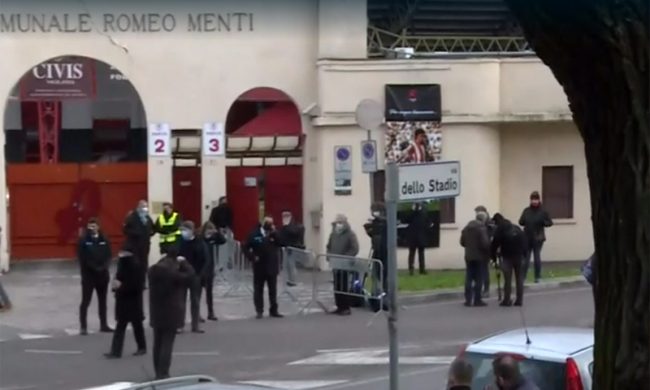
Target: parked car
{"type": "Point", "coordinates": [192, 382]}
{"type": "Point", "coordinates": [553, 358]}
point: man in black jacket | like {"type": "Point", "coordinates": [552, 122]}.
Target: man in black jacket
{"type": "Point", "coordinates": [94, 254]}
{"type": "Point", "coordinates": [417, 232]}
{"type": "Point", "coordinates": [376, 229]}
{"type": "Point", "coordinates": [168, 281]}
{"type": "Point", "coordinates": [195, 251]}
{"type": "Point", "coordinates": [128, 288]}
{"type": "Point", "coordinates": [221, 216]}
{"type": "Point", "coordinates": [138, 229]}
{"type": "Point", "coordinates": [535, 219]}
{"type": "Point", "coordinates": [292, 235]}
{"type": "Point", "coordinates": [262, 248]}
{"type": "Point", "coordinates": [511, 242]}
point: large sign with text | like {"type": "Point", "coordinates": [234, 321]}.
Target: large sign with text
{"type": "Point", "coordinates": [413, 102]}
{"type": "Point", "coordinates": [106, 23]}
{"type": "Point", "coordinates": [70, 78]}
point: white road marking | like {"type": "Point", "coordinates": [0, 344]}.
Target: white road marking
{"type": "Point", "coordinates": [295, 385]}
{"type": "Point", "coordinates": [366, 357]}
{"type": "Point", "coordinates": [29, 336]}
{"type": "Point", "coordinates": [53, 352]}
{"type": "Point", "coordinates": [205, 353]}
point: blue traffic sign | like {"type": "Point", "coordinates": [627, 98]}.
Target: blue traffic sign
{"type": "Point", "coordinates": [342, 154]}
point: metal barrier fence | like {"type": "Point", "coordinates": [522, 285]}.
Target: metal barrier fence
{"type": "Point", "coordinates": [232, 269]}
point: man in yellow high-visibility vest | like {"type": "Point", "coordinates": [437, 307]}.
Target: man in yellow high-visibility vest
{"type": "Point", "coordinates": [168, 226]}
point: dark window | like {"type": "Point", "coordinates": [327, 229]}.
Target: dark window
{"type": "Point", "coordinates": [448, 210]}
{"type": "Point", "coordinates": [546, 375]}
{"type": "Point", "coordinates": [557, 191]}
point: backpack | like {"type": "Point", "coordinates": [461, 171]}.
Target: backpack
{"type": "Point", "coordinates": [514, 236]}
{"type": "Point", "coordinates": [587, 270]}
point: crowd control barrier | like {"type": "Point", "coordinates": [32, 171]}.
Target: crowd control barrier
{"type": "Point", "coordinates": [296, 263]}
{"type": "Point", "coordinates": [233, 269]}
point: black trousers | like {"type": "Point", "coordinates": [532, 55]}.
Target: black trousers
{"type": "Point", "coordinates": [341, 286]}
{"type": "Point", "coordinates": [261, 278]}
{"type": "Point", "coordinates": [534, 249]}
{"type": "Point", "coordinates": [420, 250]}
{"type": "Point", "coordinates": [473, 281]}
{"type": "Point", "coordinates": [163, 346]}
{"type": "Point", "coordinates": [207, 284]}
{"type": "Point", "coordinates": [195, 301]}
{"type": "Point", "coordinates": [118, 336]}
{"type": "Point", "coordinates": [90, 283]}
{"type": "Point", "coordinates": [511, 265]}
{"type": "Point", "coordinates": [486, 276]}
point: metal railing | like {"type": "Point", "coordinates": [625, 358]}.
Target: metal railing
{"type": "Point", "coordinates": [382, 42]}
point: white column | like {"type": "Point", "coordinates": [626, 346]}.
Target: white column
{"type": "Point", "coordinates": [213, 182]}
{"type": "Point", "coordinates": [160, 189]}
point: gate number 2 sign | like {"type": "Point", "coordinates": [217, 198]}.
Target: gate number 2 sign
{"type": "Point", "coordinates": [213, 139]}
{"type": "Point", "coordinates": [160, 135]}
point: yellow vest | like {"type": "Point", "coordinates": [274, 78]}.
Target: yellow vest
{"type": "Point", "coordinates": [171, 237]}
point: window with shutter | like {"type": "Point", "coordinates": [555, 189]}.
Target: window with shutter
{"type": "Point", "coordinates": [557, 191]}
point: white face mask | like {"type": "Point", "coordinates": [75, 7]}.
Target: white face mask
{"type": "Point", "coordinates": [186, 234]}
{"type": "Point", "coordinates": [339, 227]}
{"type": "Point", "coordinates": [286, 221]}
{"type": "Point", "coordinates": [376, 213]}
{"type": "Point", "coordinates": [144, 210]}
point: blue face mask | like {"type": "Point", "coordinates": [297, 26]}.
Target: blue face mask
{"type": "Point", "coordinates": [186, 234]}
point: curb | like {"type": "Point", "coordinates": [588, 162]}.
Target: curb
{"type": "Point", "coordinates": [459, 294]}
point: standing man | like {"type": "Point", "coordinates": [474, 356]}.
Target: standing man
{"type": "Point", "coordinates": [262, 248]}
{"type": "Point", "coordinates": [128, 288]}
{"type": "Point", "coordinates": [486, 267]}
{"type": "Point", "coordinates": [221, 216]}
{"type": "Point", "coordinates": [168, 226]}
{"type": "Point", "coordinates": [535, 219]}
{"type": "Point", "coordinates": [195, 251]}
{"type": "Point", "coordinates": [377, 230]}
{"type": "Point", "coordinates": [417, 232]}
{"type": "Point", "coordinates": [94, 254]}
{"type": "Point", "coordinates": [511, 241]}
{"type": "Point", "coordinates": [474, 238]}
{"type": "Point", "coordinates": [213, 239]}
{"type": "Point", "coordinates": [138, 229]}
{"type": "Point", "coordinates": [343, 241]}
{"type": "Point", "coordinates": [292, 234]}
{"type": "Point", "coordinates": [168, 281]}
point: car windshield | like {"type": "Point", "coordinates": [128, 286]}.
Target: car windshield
{"type": "Point", "coordinates": [546, 375]}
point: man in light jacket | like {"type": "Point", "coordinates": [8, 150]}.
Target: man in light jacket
{"type": "Point", "coordinates": [343, 241]}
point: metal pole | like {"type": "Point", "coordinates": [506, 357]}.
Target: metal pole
{"type": "Point", "coordinates": [371, 175]}
{"type": "Point", "coordinates": [392, 194]}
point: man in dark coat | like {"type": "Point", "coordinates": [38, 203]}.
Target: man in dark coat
{"type": "Point", "coordinates": [292, 235]}
{"type": "Point", "coordinates": [168, 281]}
{"type": "Point", "coordinates": [138, 229]}
{"type": "Point", "coordinates": [221, 216]}
{"type": "Point", "coordinates": [535, 219]}
{"type": "Point", "coordinates": [263, 249]}
{"type": "Point", "coordinates": [128, 288]}
{"type": "Point", "coordinates": [474, 238]}
{"type": "Point", "coordinates": [195, 251]}
{"type": "Point", "coordinates": [94, 254]}
{"type": "Point", "coordinates": [213, 239]}
{"type": "Point", "coordinates": [511, 242]}
{"type": "Point", "coordinates": [417, 232]}
{"type": "Point", "coordinates": [376, 229]}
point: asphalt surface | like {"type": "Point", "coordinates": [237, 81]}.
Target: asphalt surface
{"type": "Point", "coordinates": [296, 352]}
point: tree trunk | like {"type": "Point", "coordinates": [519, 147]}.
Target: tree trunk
{"type": "Point", "coordinates": [599, 50]}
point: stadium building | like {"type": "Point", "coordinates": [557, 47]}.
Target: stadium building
{"type": "Point", "coordinates": [111, 102]}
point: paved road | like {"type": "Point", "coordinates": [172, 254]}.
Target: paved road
{"type": "Point", "coordinates": [297, 352]}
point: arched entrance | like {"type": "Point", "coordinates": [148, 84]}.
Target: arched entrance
{"type": "Point", "coordinates": [76, 148]}
{"type": "Point", "coordinates": [264, 152]}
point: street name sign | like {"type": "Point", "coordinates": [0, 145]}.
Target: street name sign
{"type": "Point", "coordinates": [437, 180]}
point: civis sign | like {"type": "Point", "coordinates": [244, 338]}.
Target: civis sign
{"type": "Point", "coordinates": [213, 139]}
{"type": "Point", "coordinates": [160, 135]}
{"type": "Point", "coordinates": [72, 78]}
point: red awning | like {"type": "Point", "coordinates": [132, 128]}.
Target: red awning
{"type": "Point", "coordinates": [280, 119]}
{"type": "Point", "coordinates": [264, 94]}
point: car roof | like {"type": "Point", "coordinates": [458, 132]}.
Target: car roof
{"type": "Point", "coordinates": [552, 342]}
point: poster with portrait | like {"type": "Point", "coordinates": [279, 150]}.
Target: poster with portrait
{"type": "Point", "coordinates": [414, 135]}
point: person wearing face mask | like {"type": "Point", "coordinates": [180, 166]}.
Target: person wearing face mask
{"type": "Point", "coordinates": [213, 239]}
{"type": "Point", "coordinates": [535, 220]}
{"type": "Point", "coordinates": [167, 225]}
{"type": "Point", "coordinates": [376, 229]}
{"type": "Point", "coordinates": [195, 251]}
{"type": "Point", "coordinates": [342, 241]}
{"type": "Point", "coordinates": [292, 235]}
{"type": "Point", "coordinates": [94, 254]}
{"type": "Point", "coordinates": [417, 231]}
{"type": "Point", "coordinates": [262, 248]}
{"type": "Point", "coordinates": [138, 229]}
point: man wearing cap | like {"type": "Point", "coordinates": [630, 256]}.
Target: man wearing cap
{"type": "Point", "coordinates": [167, 225]}
{"type": "Point", "coordinates": [195, 251]}
{"type": "Point", "coordinates": [486, 266]}
{"type": "Point", "coordinates": [535, 220]}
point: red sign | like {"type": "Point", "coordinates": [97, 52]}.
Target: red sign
{"type": "Point", "coordinates": [67, 78]}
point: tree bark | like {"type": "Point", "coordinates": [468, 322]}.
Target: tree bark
{"type": "Point", "coordinates": [599, 51]}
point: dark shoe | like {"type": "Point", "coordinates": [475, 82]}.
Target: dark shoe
{"type": "Point", "coordinates": [467, 304]}
{"type": "Point", "coordinates": [106, 329]}
{"type": "Point", "coordinates": [201, 320]}
{"type": "Point", "coordinates": [276, 315]}
{"type": "Point", "coordinates": [83, 332]}
{"type": "Point", "coordinates": [111, 356]}
{"type": "Point", "coordinates": [198, 330]}
{"type": "Point", "coordinates": [505, 304]}
{"type": "Point", "coordinates": [344, 312]}
{"type": "Point", "coordinates": [140, 352]}
{"type": "Point", "coordinates": [259, 316]}
{"type": "Point", "coordinates": [423, 272]}
{"type": "Point", "coordinates": [537, 280]}
{"type": "Point", "coordinates": [212, 317]}
{"type": "Point", "coordinates": [180, 331]}
{"type": "Point", "coordinates": [291, 284]}
{"type": "Point", "coordinates": [480, 304]}
{"type": "Point", "coordinates": [517, 303]}
{"type": "Point", "coordinates": [335, 311]}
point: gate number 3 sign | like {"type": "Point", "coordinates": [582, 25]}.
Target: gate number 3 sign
{"type": "Point", "coordinates": [213, 139]}
{"type": "Point", "coordinates": [159, 139]}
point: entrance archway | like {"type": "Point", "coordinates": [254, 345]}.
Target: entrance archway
{"type": "Point", "coordinates": [76, 148]}
{"type": "Point", "coordinates": [265, 141]}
